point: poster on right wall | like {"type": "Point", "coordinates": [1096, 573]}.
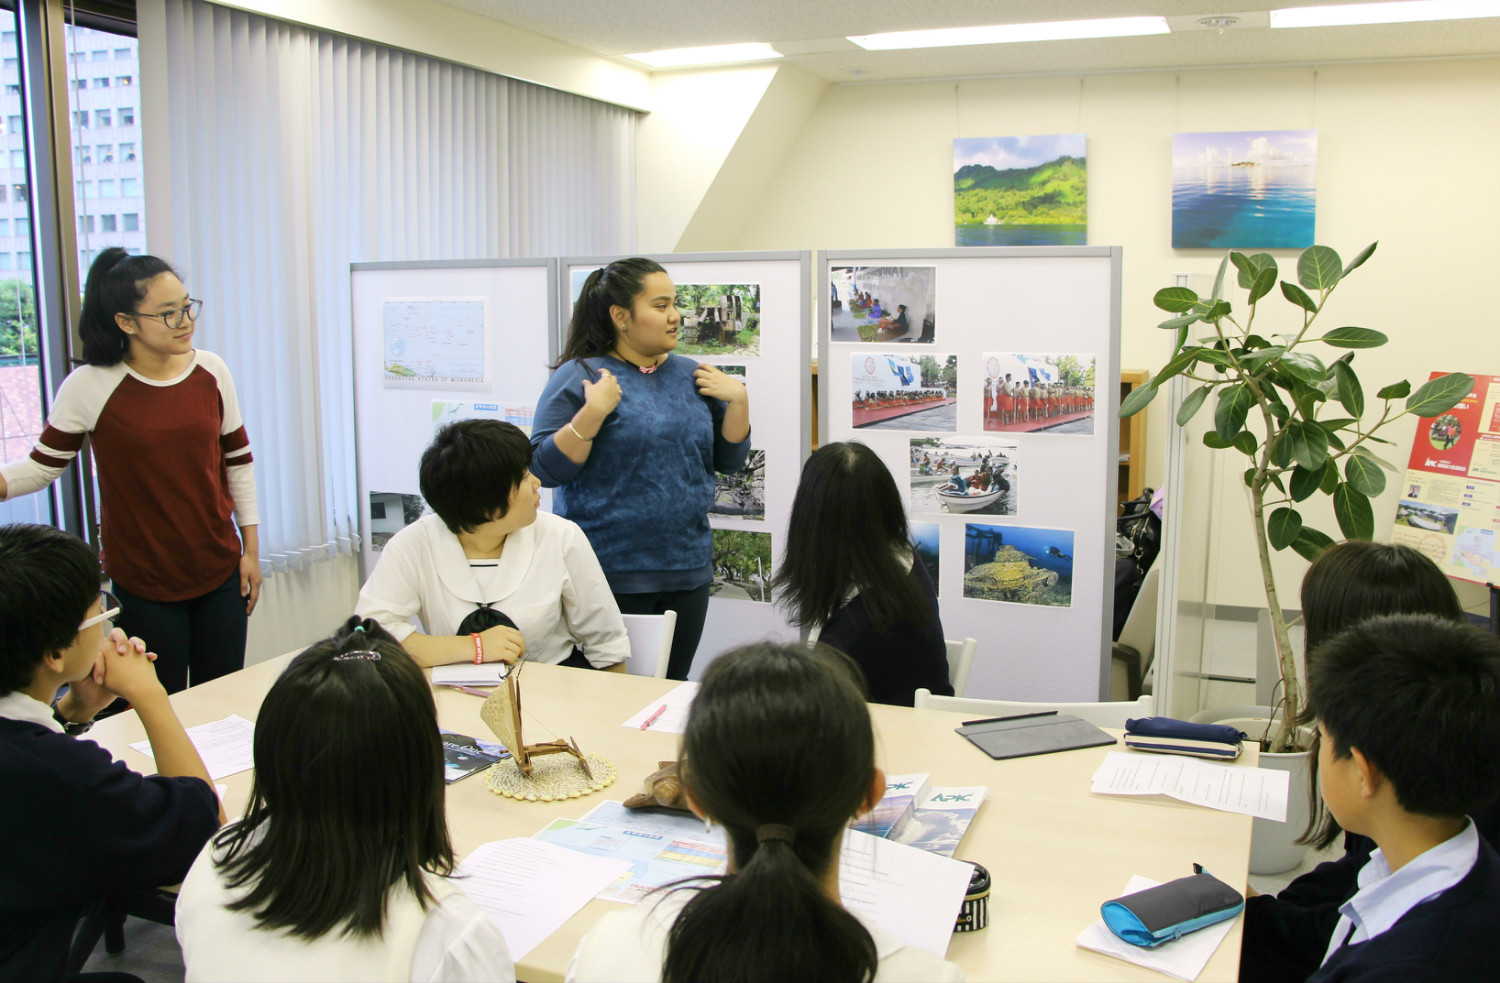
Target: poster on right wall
{"type": "Point", "coordinates": [1255, 189]}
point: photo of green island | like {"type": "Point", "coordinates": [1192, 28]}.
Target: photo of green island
{"type": "Point", "coordinates": [1020, 191]}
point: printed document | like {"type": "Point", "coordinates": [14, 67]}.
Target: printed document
{"type": "Point", "coordinates": [1258, 792]}
{"type": "Point", "coordinates": [226, 746]}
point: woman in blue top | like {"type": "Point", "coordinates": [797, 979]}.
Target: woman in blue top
{"type": "Point", "coordinates": [630, 435]}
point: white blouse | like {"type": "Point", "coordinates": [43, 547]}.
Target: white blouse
{"type": "Point", "coordinates": [451, 941]}
{"type": "Point", "coordinates": [629, 947]}
{"type": "Point", "coordinates": [547, 580]}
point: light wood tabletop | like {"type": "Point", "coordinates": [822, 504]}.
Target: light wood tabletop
{"type": "Point", "coordinates": [1054, 850]}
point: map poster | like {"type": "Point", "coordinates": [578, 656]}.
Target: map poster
{"type": "Point", "coordinates": [1450, 495]}
{"type": "Point", "coordinates": [434, 341]}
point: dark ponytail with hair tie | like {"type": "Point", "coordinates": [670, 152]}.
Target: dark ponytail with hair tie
{"type": "Point", "coordinates": [116, 284]}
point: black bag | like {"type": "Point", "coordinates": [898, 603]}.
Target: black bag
{"type": "Point", "coordinates": [1137, 541]}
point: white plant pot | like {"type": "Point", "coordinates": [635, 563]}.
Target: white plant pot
{"type": "Point", "coordinates": [1273, 846]}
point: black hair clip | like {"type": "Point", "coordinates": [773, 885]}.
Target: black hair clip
{"type": "Point", "coordinates": [363, 655]}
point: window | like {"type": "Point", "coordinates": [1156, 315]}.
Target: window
{"type": "Point", "coordinates": [3, 192]}
{"type": "Point", "coordinates": [12, 89]}
{"type": "Point", "coordinates": [127, 115]}
{"type": "Point", "coordinates": [130, 187]}
{"type": "Point", "coordinates": [106, 152]}
{"type": "Point", "coordinates": [8, 37]}
{"type": "Point", "coordinates": [4, 226]}
{"type": "Point", "coordinates": [18, 159]}
{"type": "Point", "coordinates": [85, 188]}
{"type": "Point", "coordinates": [81, 119]}
{"type": "Point", "coordinates": [125, 80]}
{"type": "Point", "coordinates": [12, 64]}
{"type": "Point", "coordinates": [23, 227]}
{"type": "Point", "coordinates": [122, 52]}
{"type": "Point", "coordinates": [100, 83]}
{"type": "Point", "coordinates": [106, 223]}
{"type": "Point", "coordinates": [102, 117]}
{"type": "Point", "coordinates": [22, 193]}
{"type": "Point", "coordinates": [7, 261]}
{"type": "Point", "coordinates": [85, 224]}
{"type": "Point", "coordinates": [80, 83]}
{"type": "Point", "coordinates": [131, 221]}
{"type": "Point", "coordinates": [127, 151]}
{"type": "Point", "coordinates": [13, 124]}
{"type": "Point", "coordinates": [23, 261]}
{"type": "Point", "coordinates": [100, 55]}
{"type": "Point", "coordinates": [107, 188]}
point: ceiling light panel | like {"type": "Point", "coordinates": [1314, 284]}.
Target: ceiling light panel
{"type": "Point", "coordinates": [1063, 30]}
{"type": "Point", "coordinates": [1401, 12]}
{"type": "Point", "coordinates": [716, 54]}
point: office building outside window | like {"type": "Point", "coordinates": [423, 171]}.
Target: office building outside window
{"type": "Point", "coordinates": [108, 175]}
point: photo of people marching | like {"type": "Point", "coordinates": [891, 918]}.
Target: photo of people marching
{"type": "Point", "coordinates": [1033, 393]}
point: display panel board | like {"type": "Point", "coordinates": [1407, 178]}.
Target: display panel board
{"type": "Point", "coordinates": [748, 314]}
{"type": "Point", "coordinates": [433, 342]}
{"type": "Point", "coordinates": [994, 369]}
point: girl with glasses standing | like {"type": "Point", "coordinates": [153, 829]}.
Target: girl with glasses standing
{"type": "Point", "coordinates": [173, 464]}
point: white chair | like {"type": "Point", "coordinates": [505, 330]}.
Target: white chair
{"type": "Point", "coordinates": [1098, 714]}
{"type": "Point", "coordinates": [650, 643]}
{"type": "Point", "coordinates": [1132, 653]}
{"type": "Point", "coordinates": [960, 661]}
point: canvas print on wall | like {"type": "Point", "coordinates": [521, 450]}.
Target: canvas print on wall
{"type": "Point", "coordinates": [964, 475]}
{"type": "Point", "coordinates": [1018, 564]}
{"type": "Point", "coordinates": [1038, 393]}
{"type": "Point", "coordinates": [1249, 190]}
{"type": "Point", "coordinates": [1020, 191]}
{"type": "Point", "coordinates": [883, 303]}
{"type": "Point", "coordinates": [904, 391]}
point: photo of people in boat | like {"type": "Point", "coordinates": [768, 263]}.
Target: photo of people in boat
{"type": "Point", "coordinates": [924, 537]}
{"type": "Point", "coordinates": [1444, 432]}
{"type": "Point", "coordinates": [1018, 564]}
{"type": "Point", "coordinates": [976, 475]}
{"type": "Point", "coordinates": [1038, 393]}
{"type": "Point", "coordinates": [1422, 515]}
{"type": "Point", "coordinates": [883, 303]}
{"type": "Point", "coordinates": [901, 391]}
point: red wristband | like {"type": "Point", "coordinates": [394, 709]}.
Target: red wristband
{"type": "Point", "coordinates": [478, 649]}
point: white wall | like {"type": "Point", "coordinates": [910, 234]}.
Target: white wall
{"type": "Point", "coordinates": [1408, 155]}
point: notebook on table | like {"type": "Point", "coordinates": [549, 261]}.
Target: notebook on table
{"type": "Point", "coordinates": [1032, 733]}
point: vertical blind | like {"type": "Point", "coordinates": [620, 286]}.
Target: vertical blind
{"type": "Point", "coordinates": [295, 152]}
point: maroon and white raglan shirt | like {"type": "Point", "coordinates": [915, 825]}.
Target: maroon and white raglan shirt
{"type": "Point", "coordinates": [174, 468]}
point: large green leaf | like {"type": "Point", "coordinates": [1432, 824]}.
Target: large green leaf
{"type": "Point", "coordinates": [1256, 361]}
{"type": "Point", "coordinates": [1233, 406]}
{"type": "Point", "coordinates": [1356, 517]}
{"type": "Point", "coordinates": [1395, 390]}
{"type": "Point", "coordinates": [1137, 400]}
{"type": "Point", "coordinates": [1215, 357]}
{"type": "Point", "coordinates": [1309, 443]}
{"type": "Point", "coordinates": [1176, 299]}
{"type": "Point", "coordinates": [1365, 452]}
{"type": "Point", "coordinates": [1354, 338]}
{"type": "Point", "coordinates": [1350, 393]}
{"type": "Point", "coordinates": [1283, 526]}
{"type": "Point", "coordinates": [1247, 271]}
{"type": "Point", "coordinates": [1246, 443]}
{"type": "Point", "coordinates": [1300, 365]}
{"type": "Point", "coordinates": [1298, 296]}
{"type": "Point", "coordinates": [1281, 451]}
{"type": "Point", "coordinates": [1333, 439]}
{"type": "Point", "coordinates": [1180, 323]}
{"type": "Point", "coordinates": [1319, 268]}
{"type": "Point", "coordinates": [1359, 260]}
{"type": "Point", "coordinates": [1440, 395]}
{"type": "Point", "coordinates": [1336, 423]}
{"type": "Point", "coordinates": [1262, 284]}
{"type": "Point", "coordinates": [1305, 481]}
{"type": "Point", "coordinates": [1177, 363]}
{"type": "Point", "coordinates": [1189, 407]}
{"type": "Point", "coordinates": [1330, 479]}
{"type": "Point", "coordinates": [1310, 543]}
{"type": "Point", "coordinates": [1307, 399]}
{"type": "Point", "coordinates": [1217, 310]}
{"type": "Point", "coordinates": [1364, 475]}
{"type": "Point", "coordinates": [1212, 440]}
{"type": "Point", "coordinates": [1219, 279]}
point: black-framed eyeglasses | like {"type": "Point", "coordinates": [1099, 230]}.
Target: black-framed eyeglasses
{"type": "Point", "coordinates": [173, 318]}
{"type": "Point", "coordinates": [109, 606]}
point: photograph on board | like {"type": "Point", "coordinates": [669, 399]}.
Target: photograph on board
{"type": "Point", "coordinates": [1254, 189]}
{"type": "Point", "coordinates": [925, 541]}
{"type": "Point", "coordinates": [1038, 393]}
{"type": "Point", "coordinates": [883, 303]}
{"type": "Point", "coordinates": [1424, 515]}
{"type": "Point", "coordinates": [742, 565]}
{"type": "Point", "coordinates": [1020, 191]}
{"type": "Point", "coordinates": [719, 319]}
{"type": "Point", "coordinates": [1444, 432]}
{"type": "Point", "coordinates": [742, 494]}
{"type": "Point", "coordinates": [964, 474]}
{"type": "Point", "coordinates": [903, 391]}
{"type": "Point", "coordinates": [1019, 564]}
{"type": "Point", "coordinates": [390, 512]}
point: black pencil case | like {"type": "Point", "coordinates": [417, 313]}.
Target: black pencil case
{"type": "Point", "coordinates": [1172, 910]}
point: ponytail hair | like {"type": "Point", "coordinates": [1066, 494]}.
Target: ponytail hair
{"type": "Point", "coordinates": [116, 284]}
{"type": "Point", "coordinates": [591, 332]}
{"type": "Point", "coordinates": [779, 750]}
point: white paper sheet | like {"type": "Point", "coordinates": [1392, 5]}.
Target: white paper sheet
{"type": "Point", "coordinates": [1258, 792]}
{"type": "Point", "coordinates": [226, 746]}
{"type": "Point", "coordinates": [529, 888]}
{"type": "Point", "coordinates": [673, 719]}
{"type": "Point", "coordinates": [914, 895]}
{"type": "Point", "coordinates": [1182, 958]}
{"type": "Point", "coordinates": [468, 674]}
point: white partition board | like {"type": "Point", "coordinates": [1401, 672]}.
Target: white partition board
{"type": "Point", "coordinates": [995, 310]}
{"type": "Point", "coordinates": [443, 301]}
{"type": "Point", "coordinates": [776, 375]}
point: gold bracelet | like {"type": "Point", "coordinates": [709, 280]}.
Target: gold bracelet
{"type": "Point", "coordinates": [586, 440]}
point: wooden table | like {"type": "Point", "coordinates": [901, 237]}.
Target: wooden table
{"type": "Point", "coordinates": [1054, 850]}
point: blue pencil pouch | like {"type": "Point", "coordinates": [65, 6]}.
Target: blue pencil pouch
{"type": "Point", "coordinates": [1171, 910]}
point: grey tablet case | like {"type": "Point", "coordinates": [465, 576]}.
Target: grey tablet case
{"type": "Point", "coordinates": [1020, 737]}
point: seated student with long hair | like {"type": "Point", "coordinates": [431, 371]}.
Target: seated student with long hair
{"type": "Point", "coordinates": [1408, 712]}
{"type": "Point", "coordinates": [339, 869]}
{"type": "Point", "coordinates": [780, 752]}
{"type": "Point", "coordinates": [1286, 934]}
{"type": "Point", "coordinates": [851, 577]}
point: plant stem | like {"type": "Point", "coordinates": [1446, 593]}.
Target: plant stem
{"type": "Point", "coordinates": [1285, 658]}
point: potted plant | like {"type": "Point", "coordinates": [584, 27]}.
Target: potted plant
{"type": "Point", "coordinates": [1299, 421]}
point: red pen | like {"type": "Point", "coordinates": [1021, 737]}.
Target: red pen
{"type": "Point", "coordinates": [652, 719]}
